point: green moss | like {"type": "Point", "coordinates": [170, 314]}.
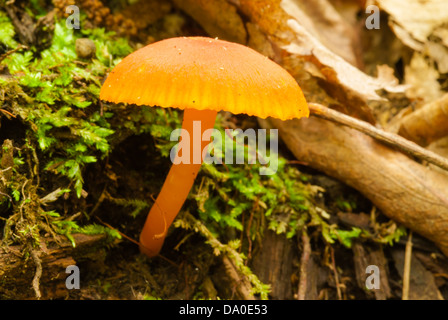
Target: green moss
{"type": "Point", "coordinates": [56, 96]}
{"type": "Point", "coordinates": [228, 192]}
{"type": "Point", "coordinates": [7, 31]}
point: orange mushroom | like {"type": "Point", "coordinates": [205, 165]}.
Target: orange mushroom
{"type": "Point", "coordinates": [201, 76]}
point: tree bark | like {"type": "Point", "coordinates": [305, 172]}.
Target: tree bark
{"type": "Point", "coordinates": [274, 265]}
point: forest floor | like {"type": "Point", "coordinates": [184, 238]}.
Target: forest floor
{"type": "Point", "coordinates": [79, 176]}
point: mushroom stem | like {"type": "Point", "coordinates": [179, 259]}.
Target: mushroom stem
{"type": "Point", "coordinates": [177, 185]}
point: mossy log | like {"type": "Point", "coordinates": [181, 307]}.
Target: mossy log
{"type": "Point", "coordinates": [17, 272]}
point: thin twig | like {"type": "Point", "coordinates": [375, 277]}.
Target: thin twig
{"type": "Point", "coordinates": [304, 266]}
{"type": "Point", "coordinates": [121, 233]}
{"type": "Point", "coordinates": [336, 276]}
{"type": "Point", "coordinates": [407, 268]}
{"type": "Point", "coordinates": [7, 53]}
{"type": "Point", "coordinates": [132, 240]}
{"type": "Point", "coordinates": [99, 202]}
{"type": "Point", "coordinates": [7, 113]}
{"type": "Point", "coordinates": [388, 138]}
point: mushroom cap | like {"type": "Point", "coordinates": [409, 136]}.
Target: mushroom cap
{"type": "Point", "coordinates": [204, 73]}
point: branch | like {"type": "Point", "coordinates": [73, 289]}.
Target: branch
{"type": "Point", "coordinates": [301, 295]}
{"type": "Point", "coordinates": [388, 138]}
{"type": "Point", "coordinates": [407, 268]}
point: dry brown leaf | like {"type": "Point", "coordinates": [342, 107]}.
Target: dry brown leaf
{"type": "Point", "coordinates": [258, 40]}
{"type": "Point", "coordinates": [349, 9]}
{"type": "Point", "coordinates": [352, 78]}
{"type": "Point", "coordinates": [418, 18]}
{"type": "Point", "coordinates": [422, 26]}
{"type": "Point", "coordinates": [324, 23]}
{"type": "Point", "coordinates": [350, 88]}
{"type": "Point", "coordinates": [427, 124]}
{"type": "Point", "coordinates": [440, 147]}
{"type": "Point", "coordinates": [386, 75]}
{"type": "Point", "coordinates": [439, 53]}
{"type": "Point", "coordinates": [422, 77]}
{"type": "Point", "coordinates": [442, 34]}
{"type": "Point", "coordinates": [406, 38]}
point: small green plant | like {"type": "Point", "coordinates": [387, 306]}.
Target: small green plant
{"type": "Point", "coordinates": [56, 96]}
{"type": "Point", "coordinates": [345, 237]}
{"type": "Point", "coordinates": [229, 191]}
{"type": "Point", "coordinates": [235, 199]}
{"type": "Point", "coordinates": [7, 32]}
{"type": "Point", "coordinates": [63, 91]}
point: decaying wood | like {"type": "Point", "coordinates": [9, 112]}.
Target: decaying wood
{"type": "Point", "coordinates": [274, 261]}
{"type": "Point", "coordinates": [29, 32]}
{"type": "Point", "coordinates": [18, 274]}
{"type": "Point", "coordinates": [438, 267]}
{"type": "Point", "coordinates": [365, 256]}
{"type": "Point", "coordinates": [316, 278]}
{"type": "Point", "coordinates": [421, 281]}
{"type": "Point", "coordinates": [23, 24]}
{"type": "Point", "coordinates": [404, 190]}
{"type": "Point", "coordinates": [313, 276]}
{"type": "Point", "coordinates": [230, 283]}
{"type": "Point", "coordinates": [6, 166]}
